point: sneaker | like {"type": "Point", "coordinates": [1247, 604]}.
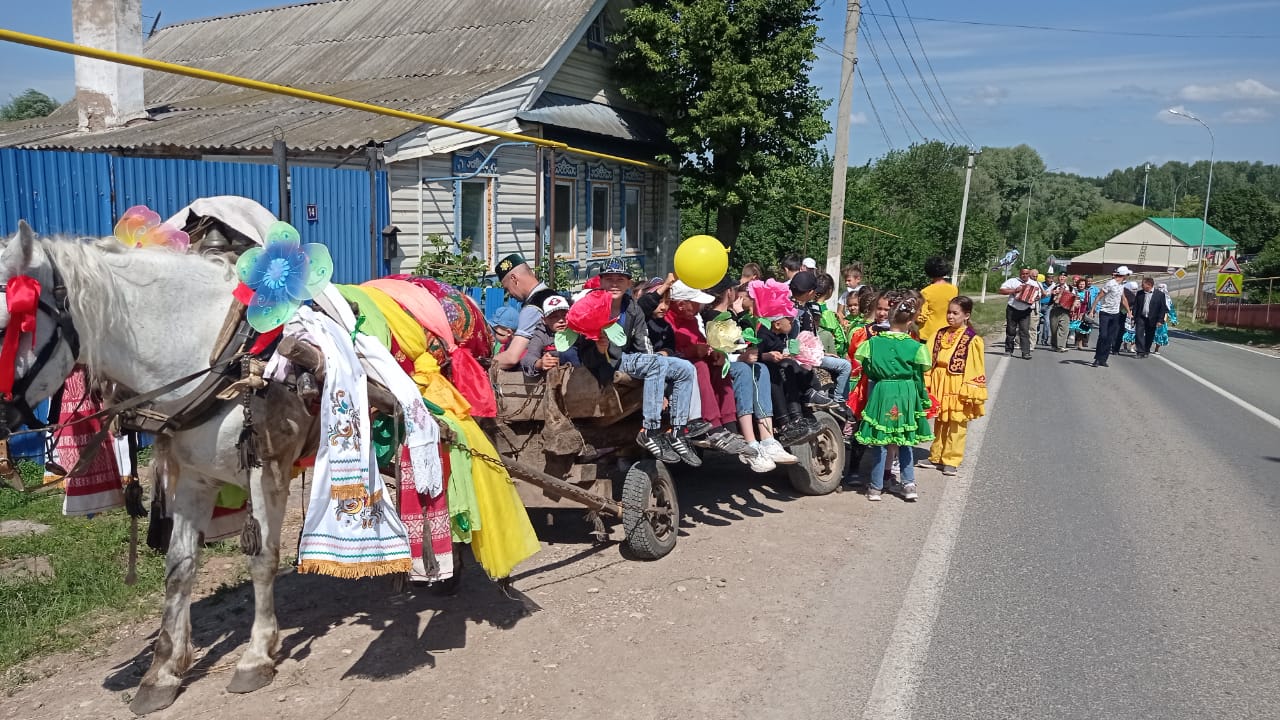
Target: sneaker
{"type": "Point", "coordinates": [791, 432]}
{"type": "Point", "coordinates": [841, 410]}
{"type": "Point", "coordinates": [777, 453]}
{"type": "Point", "coordinates": [817, 398]}
{"type": "Point", "coordinates": [727, 442]}
{"type": "Point", "coordinates": [757, 459]}
{"type": "Point", "coordinates": [873, 494]}
{"type": "Point", "coordinates": [926, 464]}
{"type": "Point", "coordinates": [909, 492]}
{"type": "Point", "coordinates": [950, 470]}
{"type": "Point", "coordinates": [678, 442]}
{"type": "Point", "coordinates": [657, 445]}
{"type": "Point", "coordinates": [697, 428]}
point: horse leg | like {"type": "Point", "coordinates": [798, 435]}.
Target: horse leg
{"type": "Point", "coordinates": [269, 489]}
{"type": "Point", "coordinates": [173, 653]}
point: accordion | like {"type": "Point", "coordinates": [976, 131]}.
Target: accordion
{"type": "Point", "coordinates": [1028, 293]}
{"type": "Point", "coordinates": [1067, 299]}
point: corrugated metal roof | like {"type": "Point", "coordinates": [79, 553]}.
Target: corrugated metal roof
{"type": "Point", "coordinates": [428, 58]}
{"type": "Point", "coordinates": [586, 116]}
{"type": "Point", "coordinates": [1187, 232]}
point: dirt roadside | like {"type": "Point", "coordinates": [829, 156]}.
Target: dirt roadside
{"type": "Point", "coordinates": [772, 605]}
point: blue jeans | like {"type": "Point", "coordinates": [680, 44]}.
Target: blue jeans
{"type": "Point", "coordinates": [842, 369]}
{"type": "Point", "coordinates": [656, 371]}
{"type": "Point", "coordinates": [752, 390]}
{"type": "Point", "coordinates": [880, 459]}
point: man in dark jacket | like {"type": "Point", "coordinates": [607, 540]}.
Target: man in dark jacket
{"type": "Point", "coordinates": [1149, 309]}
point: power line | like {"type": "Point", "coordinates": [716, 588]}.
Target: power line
{"type": "Point", "coordinates": [910, 86]}
{"type": "Point", "coordinates": [904, 117]}
{"type": "Point", "coordinates": [948, 122]}
{"type": "Point", "coordinates": [929, 64]}
{"type": "Point", "coordinates": [867, 91]}
{"type": "Point", "coordinates": [1087, 31]}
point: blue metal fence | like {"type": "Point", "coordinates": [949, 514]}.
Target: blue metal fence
{"type": "Point", "coordinates": [490, 299]}
{"type": "Point", "coordinates": [68, 193]}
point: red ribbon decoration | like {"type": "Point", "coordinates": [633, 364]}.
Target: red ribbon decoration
{"type": "Point", "coordinates": [23, 298]}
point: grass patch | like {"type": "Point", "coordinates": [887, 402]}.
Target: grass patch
{"type": "Point", "coordinates": [988, 318]}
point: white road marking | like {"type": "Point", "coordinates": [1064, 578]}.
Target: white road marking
{"type": "Point", "coordinates": [1177, 333]}
{"type": "Point", "coordinates": [1262, 414]}
{"type": "Point", "coordinates": [894, 691]}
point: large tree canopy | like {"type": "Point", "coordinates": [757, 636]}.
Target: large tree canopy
{"type": "Point", "coordinates": [730, 79]}
{"type": "Point", "coordinates": [30, 104]}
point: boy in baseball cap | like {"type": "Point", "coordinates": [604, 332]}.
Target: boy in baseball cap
{"type": "Point", "coordinates": [542, 354]}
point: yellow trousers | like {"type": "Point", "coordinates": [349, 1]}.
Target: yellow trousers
{"type": "Point", "coordinates": [948, 443]}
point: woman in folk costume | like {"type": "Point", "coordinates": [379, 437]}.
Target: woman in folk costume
{"type": "Point", "coordinates": [1161, 338]}
{"type": "Point", "coordinates": [958, 379]}
{"type": "Point", "coordinates": [895, 363]}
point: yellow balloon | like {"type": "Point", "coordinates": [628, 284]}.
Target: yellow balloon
{"type": "Point", "coordinates": [701, 261]}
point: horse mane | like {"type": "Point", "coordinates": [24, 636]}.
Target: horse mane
{"type": "Point", "coordinates": [91, 268]}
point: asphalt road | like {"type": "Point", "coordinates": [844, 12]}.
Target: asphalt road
{"type": "Point", "coordinates": [1119, 553]}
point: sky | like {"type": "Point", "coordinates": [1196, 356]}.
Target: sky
{"type": "Point", "coordinates": [1089, 103]}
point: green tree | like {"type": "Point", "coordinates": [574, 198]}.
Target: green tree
{"type": "Point", "coordinates": [1190, 206]}
{"type": "Point", "coordinates": [1246, 215]}
{"type": "Point", "coordinates": [1100, 227]}
{"type": "Point", "coordinates": [30, 104]}
{"type": "Point", "coordinates": [730, 79]}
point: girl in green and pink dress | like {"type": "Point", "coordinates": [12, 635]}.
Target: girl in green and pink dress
{"type": "Point", "coordinates": [897, 405]}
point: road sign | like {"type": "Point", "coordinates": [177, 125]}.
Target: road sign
{"type": "Point", "coordinates": [1230, 267]}
{"type": "Point", "coordinates": [1179, 273]}
{"type": "Point", "coordinates": [1229, 284]}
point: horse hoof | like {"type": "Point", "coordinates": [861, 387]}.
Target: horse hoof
{"type": "Point", "coordinates": [248, 680]}
{"type": "Point", "coordinates": [151, 698]}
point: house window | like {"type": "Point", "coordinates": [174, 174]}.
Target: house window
{"type": "Point", "coordinates": [598, 34]}
{"type": "Point", "coordinates": [601, 235]}
{"type": "Point", "coordinates": [475, 231]}
{"type": "Point", "coordinates": [564, 222]}
{"type": "Point", "coordinates": [631, 218]}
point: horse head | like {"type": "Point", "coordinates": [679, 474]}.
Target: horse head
{"type": "Point", "coordinates": [40, 344]}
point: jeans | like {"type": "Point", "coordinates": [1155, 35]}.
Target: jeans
{"type": "Point", "coordinates": [842, 369]}
{"type": "Point", "coordinates": [752, 389]}
{"type": "Point", "coordinates": [1017, 323]}
{"type": "Point", "coordinates": [880, 459]}
{"type": "Point", "coordinates": [656, 371]}
{"type": "Point", "coordinates": [1109, 327]}
{"type": "Point", "coordinates": [1043, 329]}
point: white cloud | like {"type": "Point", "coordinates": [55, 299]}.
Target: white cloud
{"type": "Point", "coordinates": [1249, 89]}
{"type": "Point", "coordinates": [1246, 116]}
{"type": "Point", "coordinates": [859, 118]}
{"type": "Point", "coordinates": [1214, 10]}
{"type": "Point", "coordinates": [990, 95]}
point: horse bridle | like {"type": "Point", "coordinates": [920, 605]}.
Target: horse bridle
{"type": "Point", "coordinates": [64, 329]}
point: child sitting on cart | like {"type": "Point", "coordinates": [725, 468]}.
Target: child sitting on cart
{"type": "Point", "coordinates": [542, 354]}
{"type": "Point", "coordinates": [636, 358]}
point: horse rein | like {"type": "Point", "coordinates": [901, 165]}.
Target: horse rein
{"type": "Point", "coordinates": [64, 329]}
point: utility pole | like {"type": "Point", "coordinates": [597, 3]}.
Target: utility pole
{"type": "Point", "coordinates": [835, 232]}
{"type": "Point", "coordinates": [1145, 178]}
{"type": "Point", "coordinates": [964, 213]}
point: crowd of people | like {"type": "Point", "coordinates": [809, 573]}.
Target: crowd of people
{"type": "Point", "coordinates": [1129, 316]}
{"type": "Point", "coordinates": [742, 367]}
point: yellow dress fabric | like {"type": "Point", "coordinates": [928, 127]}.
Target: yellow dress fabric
{"type": "Point", "coordinates": [961, 397]}
{"type": "Point", "coordinates": [933, 314]}
{"type": "Point", "coordinates": [507, 537]}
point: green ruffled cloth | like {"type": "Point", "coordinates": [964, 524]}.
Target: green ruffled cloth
{"type": "Point", "coordinates": [464, 518]}
{"type": "Point", "coordinates": [898, 404]}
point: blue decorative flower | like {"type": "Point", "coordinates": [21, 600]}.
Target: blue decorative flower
{"type": "Point", "coordinates": [283, 274]}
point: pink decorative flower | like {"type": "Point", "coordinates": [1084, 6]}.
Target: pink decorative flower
{"type": "Point", "coordinates": [811, 353]}
{"type": "Point", "coordinates": [140, 227]}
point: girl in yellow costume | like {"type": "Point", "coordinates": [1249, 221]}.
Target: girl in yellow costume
{"type": "Point", "coordinates": [958, 379]}
{"type": "Point", "coordinates": [505, 537]}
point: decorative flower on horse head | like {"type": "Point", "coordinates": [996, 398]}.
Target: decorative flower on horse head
{"type": "Point", "coordinates": [282, 274]}
{"type": "Point", "coordinates": [140, 227]}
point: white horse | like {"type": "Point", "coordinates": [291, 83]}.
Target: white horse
{"type": "Point", "coordinates": [146, 318]}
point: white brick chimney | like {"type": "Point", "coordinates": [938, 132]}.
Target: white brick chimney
{"type": "Point", "coordinates": [108, 94]}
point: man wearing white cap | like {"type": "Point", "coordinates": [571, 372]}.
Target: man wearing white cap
{"type": "Point", "coordinates": [1108, 306]}
{"type": "Point", "coordinates": [809, 264]}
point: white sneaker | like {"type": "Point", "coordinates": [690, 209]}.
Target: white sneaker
{"type": "Point", "coordinates": [757, 459]}
{"type": "Point", "coordinates": [778, 454]}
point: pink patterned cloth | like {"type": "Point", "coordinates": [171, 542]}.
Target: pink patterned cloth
{"type": "Point", "coordinates": [97, 488]}
{"type": "Point", "coordinates": [427, 521]}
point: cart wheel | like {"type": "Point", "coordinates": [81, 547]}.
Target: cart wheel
{"type": "Point", "coordinates": [650, 511]}
{"type": "Point", "coordinates": [821, 460]}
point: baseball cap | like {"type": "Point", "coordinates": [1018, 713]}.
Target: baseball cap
{"type": "Point", "coordinates": [615, 266]}
{"type": "Point", "coordinates": [726, 282]}
{"type": "Point", "coordinates": [554, 303]}
{"type": "Point", "coordinates": [1123, 270]}
{"type": "Point", "coordinates": [505, 316]}
{"type": "Point", "coordinates": [681, 291]}
{"type": "Point", "coordinates": [803, 282]}
{"type": "Point", "coordinates": [810, 263]}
